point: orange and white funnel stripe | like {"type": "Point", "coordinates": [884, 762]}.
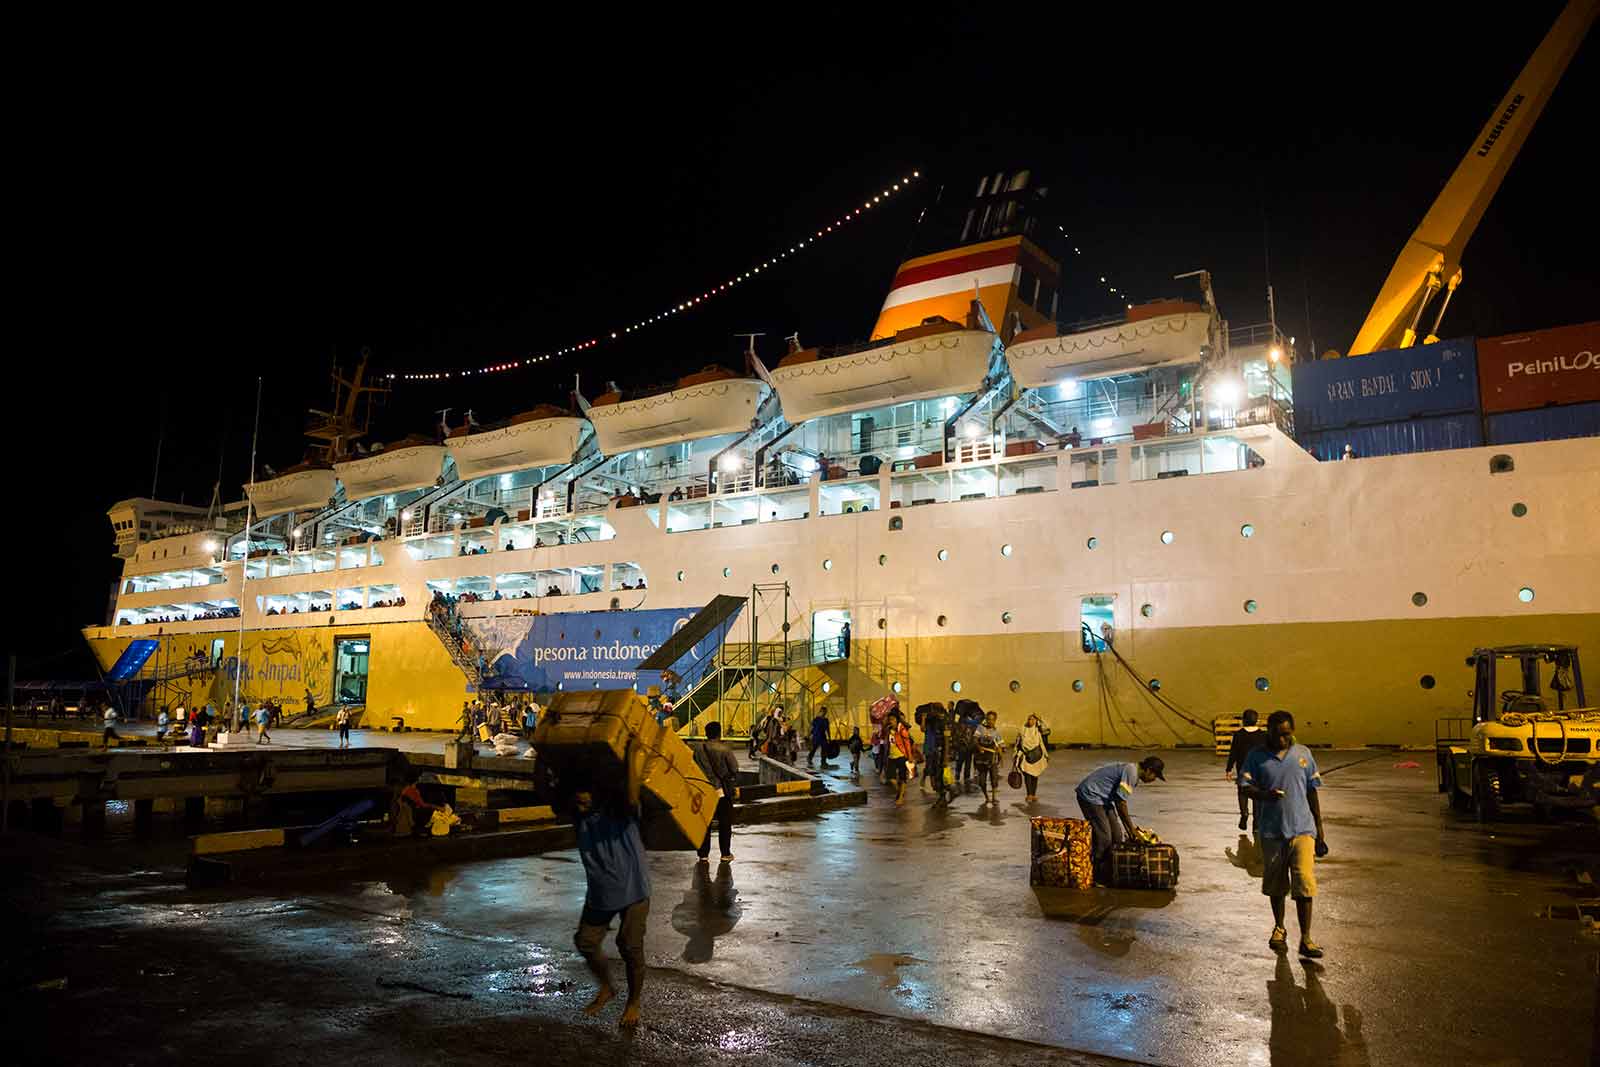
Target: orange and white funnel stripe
{"type": "Point", "coordinates": [943, 283]}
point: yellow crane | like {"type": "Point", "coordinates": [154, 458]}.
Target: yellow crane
{"type": "Point", "coordinates": [1431, 258]}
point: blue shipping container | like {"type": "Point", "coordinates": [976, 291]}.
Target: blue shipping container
{"type": "Point", "coordinates": [1397, 438]}
{"type": "Point", "coordinates": [1436, 379]}
{"type": "Point", "coordinates": [1545, 424]}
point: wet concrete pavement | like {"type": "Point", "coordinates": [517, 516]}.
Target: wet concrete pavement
{"type": "Point", "coordinates": [838, 941]}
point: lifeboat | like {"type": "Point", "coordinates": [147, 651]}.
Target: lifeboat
{"type": "Point", "coordinates": [408, 464]}
{"type": "Point", "coordinates": [305, 487]}
{"type": "Point", "coordinates": [544, 436]}
{"type": "Point", "coordinates": [711, 402]}
{"type": "Point", "coordinates": [937, 358]}
{"type": "Point", "coordinates": [1164, 333]}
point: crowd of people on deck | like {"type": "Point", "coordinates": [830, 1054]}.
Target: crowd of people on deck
{"type": "Point", "coordinates": [198, 616]}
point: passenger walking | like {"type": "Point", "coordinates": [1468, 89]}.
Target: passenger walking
{"type": "Point", "coordinates": [607, 829]}
{"type": "Point", "coordinates": [110, 733]}
{"type": "Point", "coordinates": [466, 721]}
{"type": "Point", "coordinates": [1032, 757]}
{"type": "Point", "coordinates": [935, 749]}
{"type": "Point", "coordinates": [1282, 777]}
{"type": "Point", "coordinates": [530, 720]}
{"type": "Point", "coordinates": [162, 722]}
{"type": "Point", "coordinates": [819, 737]}
{"type": "Point", "coordinates": [263, 716]}
{"type": "Point", "coordinates": [902, 753]}
{"type": "Point", "coordinates": [344, 727]}
{"type": "Point", "coordinates": [721, 770]}
{"type": "Point", "coordinates": [1246, 740]}
{"type": "Point", "coordinates": [1103, 795]}
{"type": "Point", "coordinates": [987, 745]}
{"type": "Point", "coordinates": [969, 716]}
{"type": "Point", "coordinates": [855, 747]}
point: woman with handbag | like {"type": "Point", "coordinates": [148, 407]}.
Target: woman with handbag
{"type": "Point", "coordinates": [1031, 757]}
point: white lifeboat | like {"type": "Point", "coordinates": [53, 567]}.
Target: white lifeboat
{"type": "Point", "coordinates": [409, 464]}
{"type": "Point", "coordinates": [303, 488]}
{"type": "Point", "coordinates": [711, 402]}
{"type": "Point", "coordinates": [939, 358]}
{"type": "Point", "coordinates": [1164, 333]}
{"type": "Point", "coordinates": [539, 438]}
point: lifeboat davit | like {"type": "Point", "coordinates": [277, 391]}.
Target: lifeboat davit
{"type": "Point", "coordinates": [1163, 333]}
{"type": "Point", "coordinates": [408, 464]}
{"type": "Point", "coordinates": [937, 358]}
{"type": "Point", "coordinates": [306, 487]}
{"type": "Point", "coordinates": [711, 402]}
{"type": "Point", "coordinates": [542, 437]}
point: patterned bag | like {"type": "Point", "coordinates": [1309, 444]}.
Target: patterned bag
{"type": "Point", "coordinates": [1138, 865]}
{"type": "Point", "coordinates": [1062, 853]}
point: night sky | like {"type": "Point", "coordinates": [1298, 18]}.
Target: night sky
{"type": "Point", "coordinates": [453, 197]}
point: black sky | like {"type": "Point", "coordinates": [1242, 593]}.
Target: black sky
{"type": "Point", "coordinates": [226, 202]}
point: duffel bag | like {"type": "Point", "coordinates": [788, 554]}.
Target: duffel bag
{"type": "Point", "coordinates": [1135, 865]}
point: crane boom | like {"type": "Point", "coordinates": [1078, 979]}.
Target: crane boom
{"type": "Point", "coordinates": [1431, 258]}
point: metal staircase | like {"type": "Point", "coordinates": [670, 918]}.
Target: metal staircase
{"type": "Point", "coordinates": [468, 665]}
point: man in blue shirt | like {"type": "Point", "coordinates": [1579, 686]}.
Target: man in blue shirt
{"type": "Point", "coordinates": [607, 828]}
{"type": "Point", "coordinates": [1103, 796]}
{"type": "Point", "coordinates": [1283, 779]}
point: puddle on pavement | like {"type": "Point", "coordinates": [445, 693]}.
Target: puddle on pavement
{"type": "Point", "coordinates": [886, 967]}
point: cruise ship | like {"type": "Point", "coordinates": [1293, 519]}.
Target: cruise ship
{"type": "Point", "coordinates": [1111, 524]}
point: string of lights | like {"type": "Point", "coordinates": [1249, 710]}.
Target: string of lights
{"type": "Point", "coordinates": [1110, 288]}
{"type": "Point", "coordinates": [677, 308]}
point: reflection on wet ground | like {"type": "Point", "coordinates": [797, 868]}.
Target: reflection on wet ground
{"type": "Point", "coordinates": [882, 913]}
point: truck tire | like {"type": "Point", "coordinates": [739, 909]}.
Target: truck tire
{"type": "Point", "coordinates": [1486, 792]}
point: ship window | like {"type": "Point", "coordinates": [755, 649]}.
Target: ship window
{"type": "Point", "coordinates": [1077, 685]}
{"type": "Point", "coordinates": [689, 515]}
{"type": "Point", "coordinates": [1093, 542]}
{"type": "Point", "coordinates": [896, 686]}
{"type": "Point", "coordinates": [351, 599]}
{"type": "Point", "coordinates": [944, 554]}
{"type": "Point", "coordinates": [1247, 530]}
{"type": "Point", "coordinates": [883, 624]}
{"type": "Point", "coordinates": [1419, 599]}
{"type": "Point", "coordinates": [1005, 617]}
{"type": "Point", "coordinates": [727, 572]}
{"type": "Point", "coordinates": [955, 687]}
{"type": "Point", "coordinates": [1005, 550]}
{"type": "Point", "coordinates": [1426, 681]}
{"type": "Point", "coordinates": [774, 568]}
{"type": "Point", "coordinates": [1501, 464]}
{"type": "Point", "coordinates": [785, 505]}
{"type": "Point", "coordinates": [1095, 622]}
{"type": "Point", "coordinates": [514, 584]}
{"type": "Point", "coordinates": [1015, 685]}
{"type": "Point", "coordinates": [1519, 509]}
{"type": "Point", "coordinates": [942, 619]}
{"type": "Point", "coordinates": [383, 596]}
{"type": "Point", "coordinates": [1166, 537]}
{"type": "Point", "coordinates": [680, 576]}
{"type": "Point", "coordinates": [623, 576]}
{"type": "Point", "coordinates": [846, 498]}
{"type": "Point", "coordinates": [1249, 607]}
{"type": "Point", "coordinates": [827, 564]}
{"type": "Point", "coordinates": [1525, 594]}
{"type": "Point", "coordinates": [1147, 610]}
{"type": "Point", "coordinates": [883, 561]}
{"type": "Point", "coordinates": [897, 523]}
{"type": "Point", "coordinates": [1155, 685]}
{"type": "Point", "coordinates": [1263, 684]}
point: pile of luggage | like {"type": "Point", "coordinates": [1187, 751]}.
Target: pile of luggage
{"type": "Point", "coordinates": [1063, 857]}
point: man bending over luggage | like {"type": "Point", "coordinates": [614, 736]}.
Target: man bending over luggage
{"type": "Point", "coordinates": [607, 826]}
{"type": "Point", "coordinates": [1103, 796]}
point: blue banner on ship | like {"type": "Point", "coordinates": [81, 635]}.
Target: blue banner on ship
{"type": "Point", "coordinates": [1402, 383]}
{"type": "Point", "coordinates": [581, 649]}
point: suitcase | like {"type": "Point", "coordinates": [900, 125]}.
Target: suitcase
{"type": "Point", "coordinates": [1062, 854]}
{"type": "Point", "coordinates": [1135, 865]}
{"type": "Point", "coordinates": [591, 730]}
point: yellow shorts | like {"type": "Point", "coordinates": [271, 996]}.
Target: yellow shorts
{"type": "Point", "coordinates": [1290, 866]}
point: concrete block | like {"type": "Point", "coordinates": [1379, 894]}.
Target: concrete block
{"type": "Point", "coordinates": [239, 841]}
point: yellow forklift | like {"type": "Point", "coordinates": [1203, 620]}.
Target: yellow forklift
{"type": "Point", "coordinates": [1532, 738]}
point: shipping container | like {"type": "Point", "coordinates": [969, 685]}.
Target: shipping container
{"type": "Point", "coordinates": [1544, 424]}
{"type": "Point", "coordinates": [1430, 434]}
{"type": "Point", "coordinates": [1529, 370]}
{"type": "Point", "coordinates": [1436, 379]}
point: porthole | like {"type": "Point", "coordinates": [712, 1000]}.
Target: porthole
{"type": "Point", "coordinates": [827, 564]}
{"type": "Point", "coordinates": [955, 687]}
{"type": "Point", "coordinates": [1525, 594]}
{"type": "Point", "coordinates": [897, 523]}
{"type": "Point", "coordinates": [1077, 685]}
{"type": "Point", "coordinates": [1016, 686]}
{"type": "Point", "coordinates": [943, 619]}
{"type": "Point", "coordinates": [727, 572]}
{"type": "Point", "coordinates": [1262, 683]}
{"type": "Point", "coordinates": [827, 687]}
{"type": "Point", "coordinates": [597, 685]}
{"type": "Point", "coordinates": [895, 687]}
{"type": "Point", "coordinates": [1005, 550]}
{"type": "Point", "coordinates": [1519, 509]}
{"type": "Point", "coordinates": [883, 624]}
{"type": "Point", "coordinates": [1005, 617]}
{"type": "Point", "coordinates": [774, 568]}
{"type": "Point", "coordinates": [1147, 610]}
{"type": "Point", "coordinates": [1426, 681]}
{"type": "Point", "coordinates": [883, 561]}
{"type": "Point", "coordinates": [1501, 464]}
{"type": "Point", "coordinates": [1155, 685]}
{"type": "Point", "coordinates": [1249, 607]}
{"type": "Point", "coordinates": [1419, 598]}
{"type": "Point", "coordinates": [1166, 537]}
{"type": "Point", "coordinates": [680, 576]}
{"type": "Point", "coordinates": [1247, 530]}
{"type": "Point", "coordinates": [1093, 542]}
{"type": "Point", "coordinates": [944, 554]}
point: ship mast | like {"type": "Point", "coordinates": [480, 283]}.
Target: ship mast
{"type": "Point", "coordinates": [334, 431]}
